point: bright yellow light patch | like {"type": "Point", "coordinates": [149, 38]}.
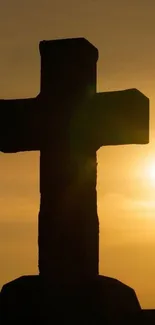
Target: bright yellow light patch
{"type": "Point", "coordinates": [150, 171]}
{"type": "Point", "coordinates": [144, 171]}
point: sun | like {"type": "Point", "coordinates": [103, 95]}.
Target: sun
{"type": "Point", "coordinates": [149, 170]}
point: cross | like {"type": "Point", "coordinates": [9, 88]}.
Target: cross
{"type": "Point", "coordinates": [68, 122]}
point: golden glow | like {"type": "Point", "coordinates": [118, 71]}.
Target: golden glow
{"type": "Point", "coordinates": [143, 169]}
{"type": "Point", "coordinates": [150, 171]}
{"type": "Point", "coordinates": [126, 191]}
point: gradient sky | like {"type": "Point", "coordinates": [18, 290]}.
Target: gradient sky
{"type": "Point", "coordinates": [123, 31]}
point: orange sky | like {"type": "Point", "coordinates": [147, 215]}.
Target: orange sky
{"type": "Point", "coordinates": [123, 31]}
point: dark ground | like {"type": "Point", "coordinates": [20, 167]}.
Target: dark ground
{"type": "Point", "coordinates": [104, 301]}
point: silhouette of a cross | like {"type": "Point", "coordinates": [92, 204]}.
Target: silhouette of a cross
{"type": "Point", "coordinates": [68, 122]}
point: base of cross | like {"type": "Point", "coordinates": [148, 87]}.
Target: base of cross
{"type": "Point", "coordinates": [105, 300]}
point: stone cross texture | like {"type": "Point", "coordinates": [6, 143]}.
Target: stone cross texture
{"type": "Point", "coordinates": [68, 122]}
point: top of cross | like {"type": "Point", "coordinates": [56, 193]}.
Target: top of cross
{"type": "Point", "coordinates": [76, 47]}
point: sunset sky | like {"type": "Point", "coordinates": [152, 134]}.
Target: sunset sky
{"type": "Point", "coordinates": [123, 31]}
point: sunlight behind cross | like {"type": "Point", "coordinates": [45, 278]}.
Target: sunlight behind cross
{"type": "Point", "coordinates": [149, 170]}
